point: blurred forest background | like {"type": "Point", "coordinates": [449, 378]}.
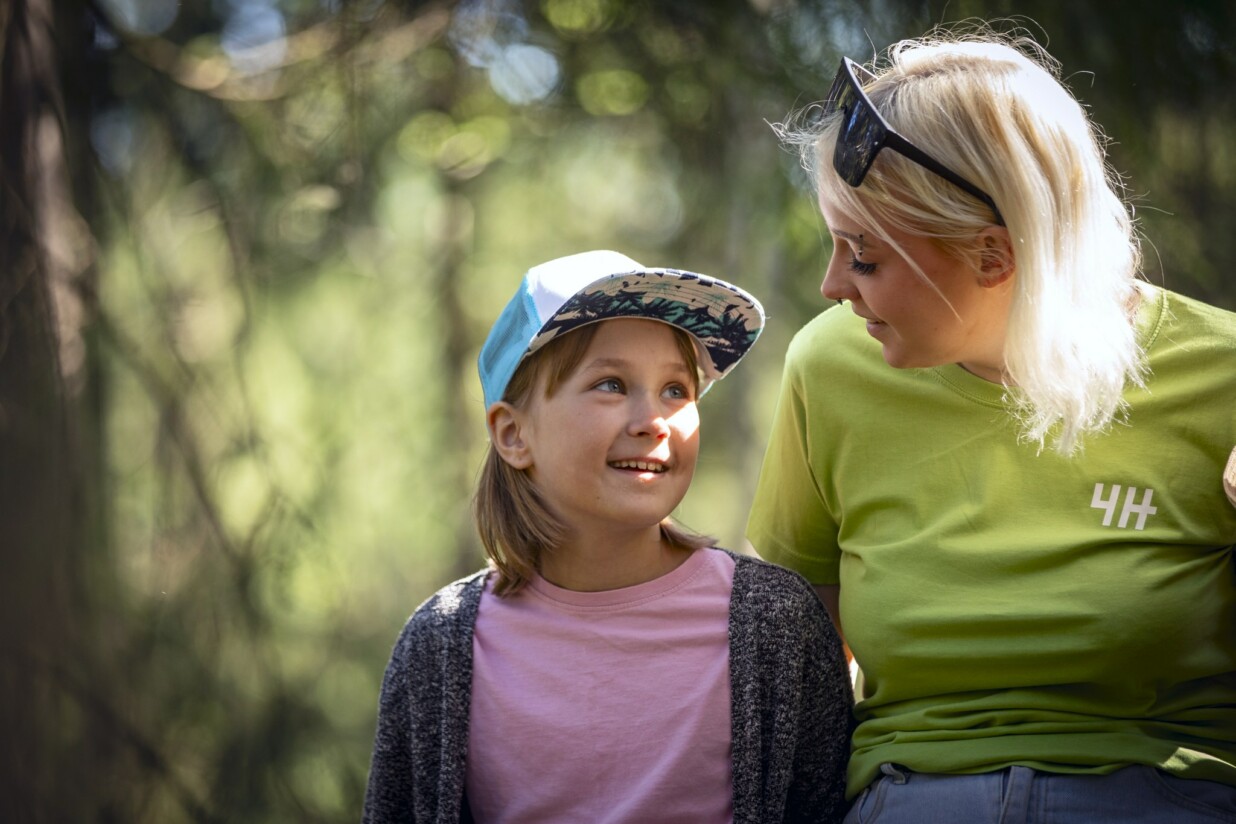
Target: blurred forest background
{"type": "Point", "coordinates": [249, 251]}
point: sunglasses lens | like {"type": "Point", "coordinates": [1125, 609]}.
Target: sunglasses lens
{"type": "Point", "coordinates": [861, 134]}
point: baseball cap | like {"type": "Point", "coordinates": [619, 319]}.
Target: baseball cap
{"type": "Point", "coordinates": [569, 292]}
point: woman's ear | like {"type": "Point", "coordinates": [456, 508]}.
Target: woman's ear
{"type": "Point", "coordinates": [507, 435]}
{"type": "Point", "coordinates": [995, 257]}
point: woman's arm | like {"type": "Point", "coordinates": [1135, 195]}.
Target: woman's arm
{"type": "Point", "coordinates": [830, 596]}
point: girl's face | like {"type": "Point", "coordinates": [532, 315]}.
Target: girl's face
{"type": "Point", "coordinates": [614, 448]}
{"type": "Point", "coordinates": [965, 322]}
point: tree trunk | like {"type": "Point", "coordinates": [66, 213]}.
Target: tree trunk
{"type": "Point", "coordinates": [39, 494]}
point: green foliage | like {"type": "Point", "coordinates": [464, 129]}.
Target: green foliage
{"type": "Point", "coordinates": [300, 246]}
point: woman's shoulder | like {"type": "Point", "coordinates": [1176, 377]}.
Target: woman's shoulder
{"type": "Point", "coordinates": [1164, 310]}
{"type": "Point", "coordinates": [835, 326]}
{"type": "Point", "coordinates": [1190, 345]}
{"type": "Point", "coordinates": [834, 343]}
{"type": "Point", "coordinates": [1189, 314]}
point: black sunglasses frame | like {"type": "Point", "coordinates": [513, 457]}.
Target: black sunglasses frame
{"type": "Point", "coordinates": [864, 132]}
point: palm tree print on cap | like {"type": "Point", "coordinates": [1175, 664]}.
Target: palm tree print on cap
{"type": "Point", "coordinates": [711, 311]}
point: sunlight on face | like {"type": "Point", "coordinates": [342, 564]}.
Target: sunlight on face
{"type": "Point", "coordinates": [686, 421]}
{"type": "Point", "coordinates": [615, 446]}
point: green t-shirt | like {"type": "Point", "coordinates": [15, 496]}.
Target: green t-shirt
{"type": "Point", "coordinates": [1008, 605]}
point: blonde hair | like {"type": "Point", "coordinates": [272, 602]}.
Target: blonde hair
{"type": "Point", "coordinates": [515, 524]}
{"type": "Point", "coordinates": [991, 107]}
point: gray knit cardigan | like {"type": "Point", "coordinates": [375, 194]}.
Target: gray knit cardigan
{"type": "Point", "coordinates": [790, 697]}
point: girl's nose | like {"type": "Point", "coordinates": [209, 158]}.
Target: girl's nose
{"type": "Point", "coordinates": [648, 418]}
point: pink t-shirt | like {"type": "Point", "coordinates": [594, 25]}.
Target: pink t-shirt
{"type": "Point", "coordinates": [604, 706]}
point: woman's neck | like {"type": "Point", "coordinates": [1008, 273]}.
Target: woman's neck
{"type": "Point", "coordinates": [600, 563]}
{"type": "Point", "coordinates": [990, 373]}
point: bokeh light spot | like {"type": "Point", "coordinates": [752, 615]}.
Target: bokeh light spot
{"type": "Point", "coordinates": [254, 38]}
{"type": "Point", "coordinates": [146, 17]}
{"type": "Point", "coordinates": [577, 16]}
{"type": "Point", "coordinates": [524, 74]}
{"type": "Point", "coordinates": [612, 92]}
{"type": "Point", "coordinates": [424, 135]}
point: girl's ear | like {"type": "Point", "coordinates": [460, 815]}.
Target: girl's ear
{"type": "Point", "coordinates": [507, 435]}
{"type": "Point", "coordinates": [995, 257]}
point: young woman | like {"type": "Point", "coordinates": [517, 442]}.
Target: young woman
{"type": "Point", "coordinates": [1001, 459]}
{"type": "Point", "coordinates": [610, 666]}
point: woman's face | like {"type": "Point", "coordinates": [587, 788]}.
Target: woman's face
{"type": "Point", "coordinates": [964, 322]}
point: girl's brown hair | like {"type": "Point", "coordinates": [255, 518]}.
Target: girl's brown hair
{"type": "Point", "coordinates": [515, 524]}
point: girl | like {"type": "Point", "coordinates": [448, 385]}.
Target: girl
{"type": "Point", "coordinates": [1022, 526]}
{"type": "Point", "coordinates": [610, 666]}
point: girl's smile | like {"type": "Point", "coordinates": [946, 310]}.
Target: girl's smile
{"type": "Point", "coordinates": [654, 467]}
{"type": "Point", "coordinates": [612, 451]}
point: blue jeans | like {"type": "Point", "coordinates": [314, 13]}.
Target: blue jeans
{"type": "Point", "coordinates": [1020, 795]}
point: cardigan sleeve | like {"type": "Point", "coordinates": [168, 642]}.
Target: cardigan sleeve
{"type": "Point", "coordinates": [791, 700]}
{"type": "Point", "coordinates": [817, 787]}
{"type": "Point", "coordinates": [389, 794]}
{"type": "Point", "coordinates": [420, 749]}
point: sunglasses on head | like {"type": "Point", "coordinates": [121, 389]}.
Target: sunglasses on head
{"type": "Point", "coordinates": [864, 132]}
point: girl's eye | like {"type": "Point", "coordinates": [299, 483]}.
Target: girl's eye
{"type": "Point", "coordinates": [860, 268]}
{"type": "Point", "coordinates": [610, 385]}
{"type": "Point", "coordinates": [678, 392]}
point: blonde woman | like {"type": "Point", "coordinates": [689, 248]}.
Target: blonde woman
{"type": "Point", "coordinates": [1001, 459]}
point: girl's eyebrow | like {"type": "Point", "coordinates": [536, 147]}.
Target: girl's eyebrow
{"type": "Point", "coordinates": [618, 363]}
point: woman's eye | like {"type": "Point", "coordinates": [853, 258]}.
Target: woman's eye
{"type": "Point", "coordinates": [610, 385]}
{"type": "Point", "coordinates": [860, 268]}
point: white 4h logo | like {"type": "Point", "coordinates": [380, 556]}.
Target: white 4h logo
{"type": "Point", "coordinates": [1143, 510]}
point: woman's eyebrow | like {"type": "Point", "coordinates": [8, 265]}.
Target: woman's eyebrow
{"type": "Point", "coordinates": [858, 240]}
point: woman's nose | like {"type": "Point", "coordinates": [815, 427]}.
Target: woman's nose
{"type": "Point", "coordinates": [836, 286]}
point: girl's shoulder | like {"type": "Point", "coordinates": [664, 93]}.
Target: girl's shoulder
{"type": "Point", "coordinates": [775, 616]}
{"type": "Point", "coordinates": [452, 607]}
{"type": "Point", "coordinates": [760, 585]}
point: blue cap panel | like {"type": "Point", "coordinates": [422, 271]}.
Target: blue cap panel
{"type": "Point", "coordinates": [507, 342]}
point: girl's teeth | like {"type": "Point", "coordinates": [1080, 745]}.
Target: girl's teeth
{"type": "Point", "coordinates": [643, 466]}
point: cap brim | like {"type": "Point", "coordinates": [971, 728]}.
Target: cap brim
{"type": "Point", "coordinates": [723, 319]}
